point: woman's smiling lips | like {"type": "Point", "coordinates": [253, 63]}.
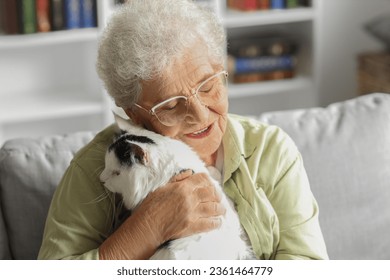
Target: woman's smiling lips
{"type": "Point", "coordinates": [201, 133]}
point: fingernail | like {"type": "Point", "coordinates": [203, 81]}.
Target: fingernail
{"type": "Point", "coordinates": [185, 170]}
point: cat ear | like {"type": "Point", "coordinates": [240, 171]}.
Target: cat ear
{"type": "Point", "coordinates": [124, 124]}
{"type": "Point", "coordinates": [140, 154]}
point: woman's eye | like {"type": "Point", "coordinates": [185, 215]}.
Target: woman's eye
{"type": "Point", "coordinates": [169, 106]}
{"type": "Point", "coordinates": [116, 173]}
{"type": "Point", "coordinates": [206, 87]}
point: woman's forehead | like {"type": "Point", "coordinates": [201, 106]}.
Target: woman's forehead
{"type": "Point", "coordinates": [177, 80]}
{"type": "Point", "coordinates": [185, 72]}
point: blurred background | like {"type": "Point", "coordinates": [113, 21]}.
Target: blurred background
{"type": "Point", "coordinates": [282, 55]}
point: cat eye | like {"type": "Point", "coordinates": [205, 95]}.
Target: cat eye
{"type": "Point", "coordinates": [172, 111]}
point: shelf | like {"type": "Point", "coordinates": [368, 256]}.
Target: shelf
{"type": "Point", "coordinates": [269, 87]}
{"type": "Point", "coordinates": [33, 107]}
{"type": "Point", "coordinates": [48, 38]}
{"type": "Point", "coordinates": [234, 19]}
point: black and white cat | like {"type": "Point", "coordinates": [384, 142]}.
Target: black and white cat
{"type": "Point", "coordinates": [139, 161]}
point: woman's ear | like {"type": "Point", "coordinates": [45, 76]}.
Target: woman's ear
{"type": "Point", "coordinates": [133, 116]}
{"type": "Point", "coordinates": [137, 119]}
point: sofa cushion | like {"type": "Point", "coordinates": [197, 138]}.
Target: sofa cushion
{"type": "Point", "coordinates": [29, 173]}
{"type": "Point", "coordinates": [346, 151]}
{"type": "Point", "coordinates": [4, 247]}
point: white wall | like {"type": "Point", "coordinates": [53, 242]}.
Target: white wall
{"type": "Point", "coordinates": [340, 38]}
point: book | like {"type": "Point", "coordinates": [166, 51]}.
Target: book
{"type": "Point", "coordinates": [2, 19]}
{"type": "Point", "coordinates": [43, 15]}
{"type": "Point", "coordinates": [260, 64]}
{"type": "Point", "coordinates": [292, 4]}
{"type": "Point", "coordinates": [11, 22]}
{"type": "Point", "coordinates": [57, 15]}
{"type": "Point", "coordinates": [243, 5]}
{"type": "Point", "coordinates": [278, 4]}
{"type": "Point", "coordinates": [281, 47]}
{"type": "Point", "coordinates": [251, 47]}
{"type": "Point", "coordinates": [262, 76]}
{"type": "Point", "coordinates": [304, 3]}
{"type": "Point", "coordinates": [88, 13]}
{"type": "Point", "coordinates": [263, 4]}
{"type": "Point", "coordinates": [249, 5]}
{"type": "Point", "coordinates": [72, 14]}
{"type": "Point", "coordinates": [248, 78]}
{"type": "Point", "coordinates": [27, 16]}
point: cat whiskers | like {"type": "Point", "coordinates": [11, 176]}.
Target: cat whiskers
{"type": "Point", "coordinates": [98, 171]}
{"type": "Point", "coordinates": [103, 196]}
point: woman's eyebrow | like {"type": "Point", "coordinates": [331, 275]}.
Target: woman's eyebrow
{"type": "Point", "coordinates": [194, 83]}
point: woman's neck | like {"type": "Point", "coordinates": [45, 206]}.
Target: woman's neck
{"type": "Point", "coordinates": [211, 160]}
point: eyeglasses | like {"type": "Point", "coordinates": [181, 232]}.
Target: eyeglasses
{"type": "Point", "coordinates": [172, 111]}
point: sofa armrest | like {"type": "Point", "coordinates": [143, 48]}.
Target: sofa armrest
{"type": "Point", "coordinates": [30, 170]}
{"type": "Point", "coordinates": [4, 245]}
{"type": "Point", "coordinates": [346, 152]}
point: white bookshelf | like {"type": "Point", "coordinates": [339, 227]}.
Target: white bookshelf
{"type": "Point", "coordinates": [235, 19]}
{"type": "Point", "coordinates": [299, 24]}
{"type": "Point", "coordinates": [28, 107]}
{"type": "Point", "coordinates": [26, 41]}
{"type": "Point", "coordinates": [237, 91]}
{"type": "Point", "coordinates": [49, 82]}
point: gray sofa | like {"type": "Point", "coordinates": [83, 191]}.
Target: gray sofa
{"type": "Point", "coordinates": [345, 147]}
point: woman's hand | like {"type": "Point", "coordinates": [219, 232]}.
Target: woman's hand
{"type": "Point", "coordinates": [188, 204]}
{"type": "Point", "coordinates": [185, 206]}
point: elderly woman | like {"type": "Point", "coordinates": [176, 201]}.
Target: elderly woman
{"type": "Point", "coordinates": [153, 58]}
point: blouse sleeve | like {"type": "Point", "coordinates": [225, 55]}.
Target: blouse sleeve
{"type": "Point", "coordinates": [79, 218]}
{"type": "Point", "coordinates": [297, 211]}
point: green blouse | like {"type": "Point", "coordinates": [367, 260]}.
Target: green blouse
{"type": "Point", "coordinates": [263, 174]}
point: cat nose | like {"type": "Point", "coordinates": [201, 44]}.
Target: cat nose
{"type": "Point", "coordinates": [103, 176]}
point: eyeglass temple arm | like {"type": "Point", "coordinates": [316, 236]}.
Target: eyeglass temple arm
{"type": "Point", "coordinates": [147, 111]}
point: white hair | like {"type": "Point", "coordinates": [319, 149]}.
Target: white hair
{"type": "Point", "coordinates": [145, 36]}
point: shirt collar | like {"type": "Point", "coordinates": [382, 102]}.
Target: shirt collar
{"type": "Point", "coordinates": [235, 146]}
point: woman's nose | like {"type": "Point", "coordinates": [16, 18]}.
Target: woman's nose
{"type": "Point", "coordinates": [197, 112]}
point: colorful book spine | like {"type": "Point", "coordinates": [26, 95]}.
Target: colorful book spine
{"type": "Point", "coordinates": [262, 76]}
{"type": "Point", "coordinates": [11, 23]}
{"type": "Point", "coordinates": [278, 4]}
{"type": "Point", "coordinates": [57, 15]}
{"type": "Point", "coordinates": [243, 5]}
{"type": "Point", "coordinates": [292, 4]}
{"type": "Point", "coordinates": [2, 19]}
{"type": "Point", "coordinates": [43, 15]}
{"type": "Point", "coordinates": [88, 13]}
{"type": "Point", "coordinates": [261, 64]}
{"type": "Point", "coordinates": [265, 46]}
{"type": "Point", "coordinates": [304, 3]}
{"type": "Point", "coordinates": [263, 4]}
{"type": "Point", "coordinates": [72, 14]}
{"type": "Point", "coordinates": [27, 16]}
{"type": "Point", "coordinates": [248, 5]}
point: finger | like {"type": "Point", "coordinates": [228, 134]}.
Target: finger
{"type": "Point", "coordinates": [185, 173]}
{"type": "Point", "coordinates": [208, 193]}
{"type": "Point", "coordinates": [210, 209]}
{"type": "Point", "coordinates": [207, 224]}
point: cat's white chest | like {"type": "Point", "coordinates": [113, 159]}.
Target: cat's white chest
{"type": "Point", "coordinates": [215, 174]}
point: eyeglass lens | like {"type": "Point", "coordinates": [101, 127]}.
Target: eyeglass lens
{"type": "Point", "coordinates": [209, 93]}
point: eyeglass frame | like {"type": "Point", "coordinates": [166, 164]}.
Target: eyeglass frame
{"type": "Point", "coordinates": [193, 93]}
